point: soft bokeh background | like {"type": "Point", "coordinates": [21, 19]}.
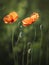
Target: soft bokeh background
{"type": "Point", "coordinates": [30, 44]}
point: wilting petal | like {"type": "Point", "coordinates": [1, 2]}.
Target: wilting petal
{"type": "Point", "coordinates": [11, 17]}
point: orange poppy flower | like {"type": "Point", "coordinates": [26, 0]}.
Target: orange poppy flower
{"type": "Point", "coordinates": [29, 20]}
{"type": "Point", "coordinates": [11, 17]}
{"type": "Point", "coordinates": [34, 16]}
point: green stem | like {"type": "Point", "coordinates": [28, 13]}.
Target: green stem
{"type": "Point", "coordinates": [32, 44]}
{"type": "Point", "coordinates": [27, 59]}
{"type": "Point", "coordinates": [31, 53]}
{"type": "Point", "coordinates": [13, 47]}
{"type": "Point", "coordinates": [40, 45]}
{"type": "Point", "coordinates": [47, 55]}
{"type": "Point", "coordinates": [23, 56]}
{"type": "Point", "coordinates": [27, 55]}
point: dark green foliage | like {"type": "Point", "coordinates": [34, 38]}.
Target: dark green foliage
{"type": "Point", "coordinates": [34, 37]}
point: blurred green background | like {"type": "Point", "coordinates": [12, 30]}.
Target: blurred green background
{"type": "Point", "coordinates": [30, 44]}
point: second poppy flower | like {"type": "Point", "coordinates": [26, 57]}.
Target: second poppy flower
{"type": "Point", "coordinates": [29, 20]}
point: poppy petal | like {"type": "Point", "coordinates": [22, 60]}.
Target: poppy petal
{"type": "Point", "coordinates": [10, 18]}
